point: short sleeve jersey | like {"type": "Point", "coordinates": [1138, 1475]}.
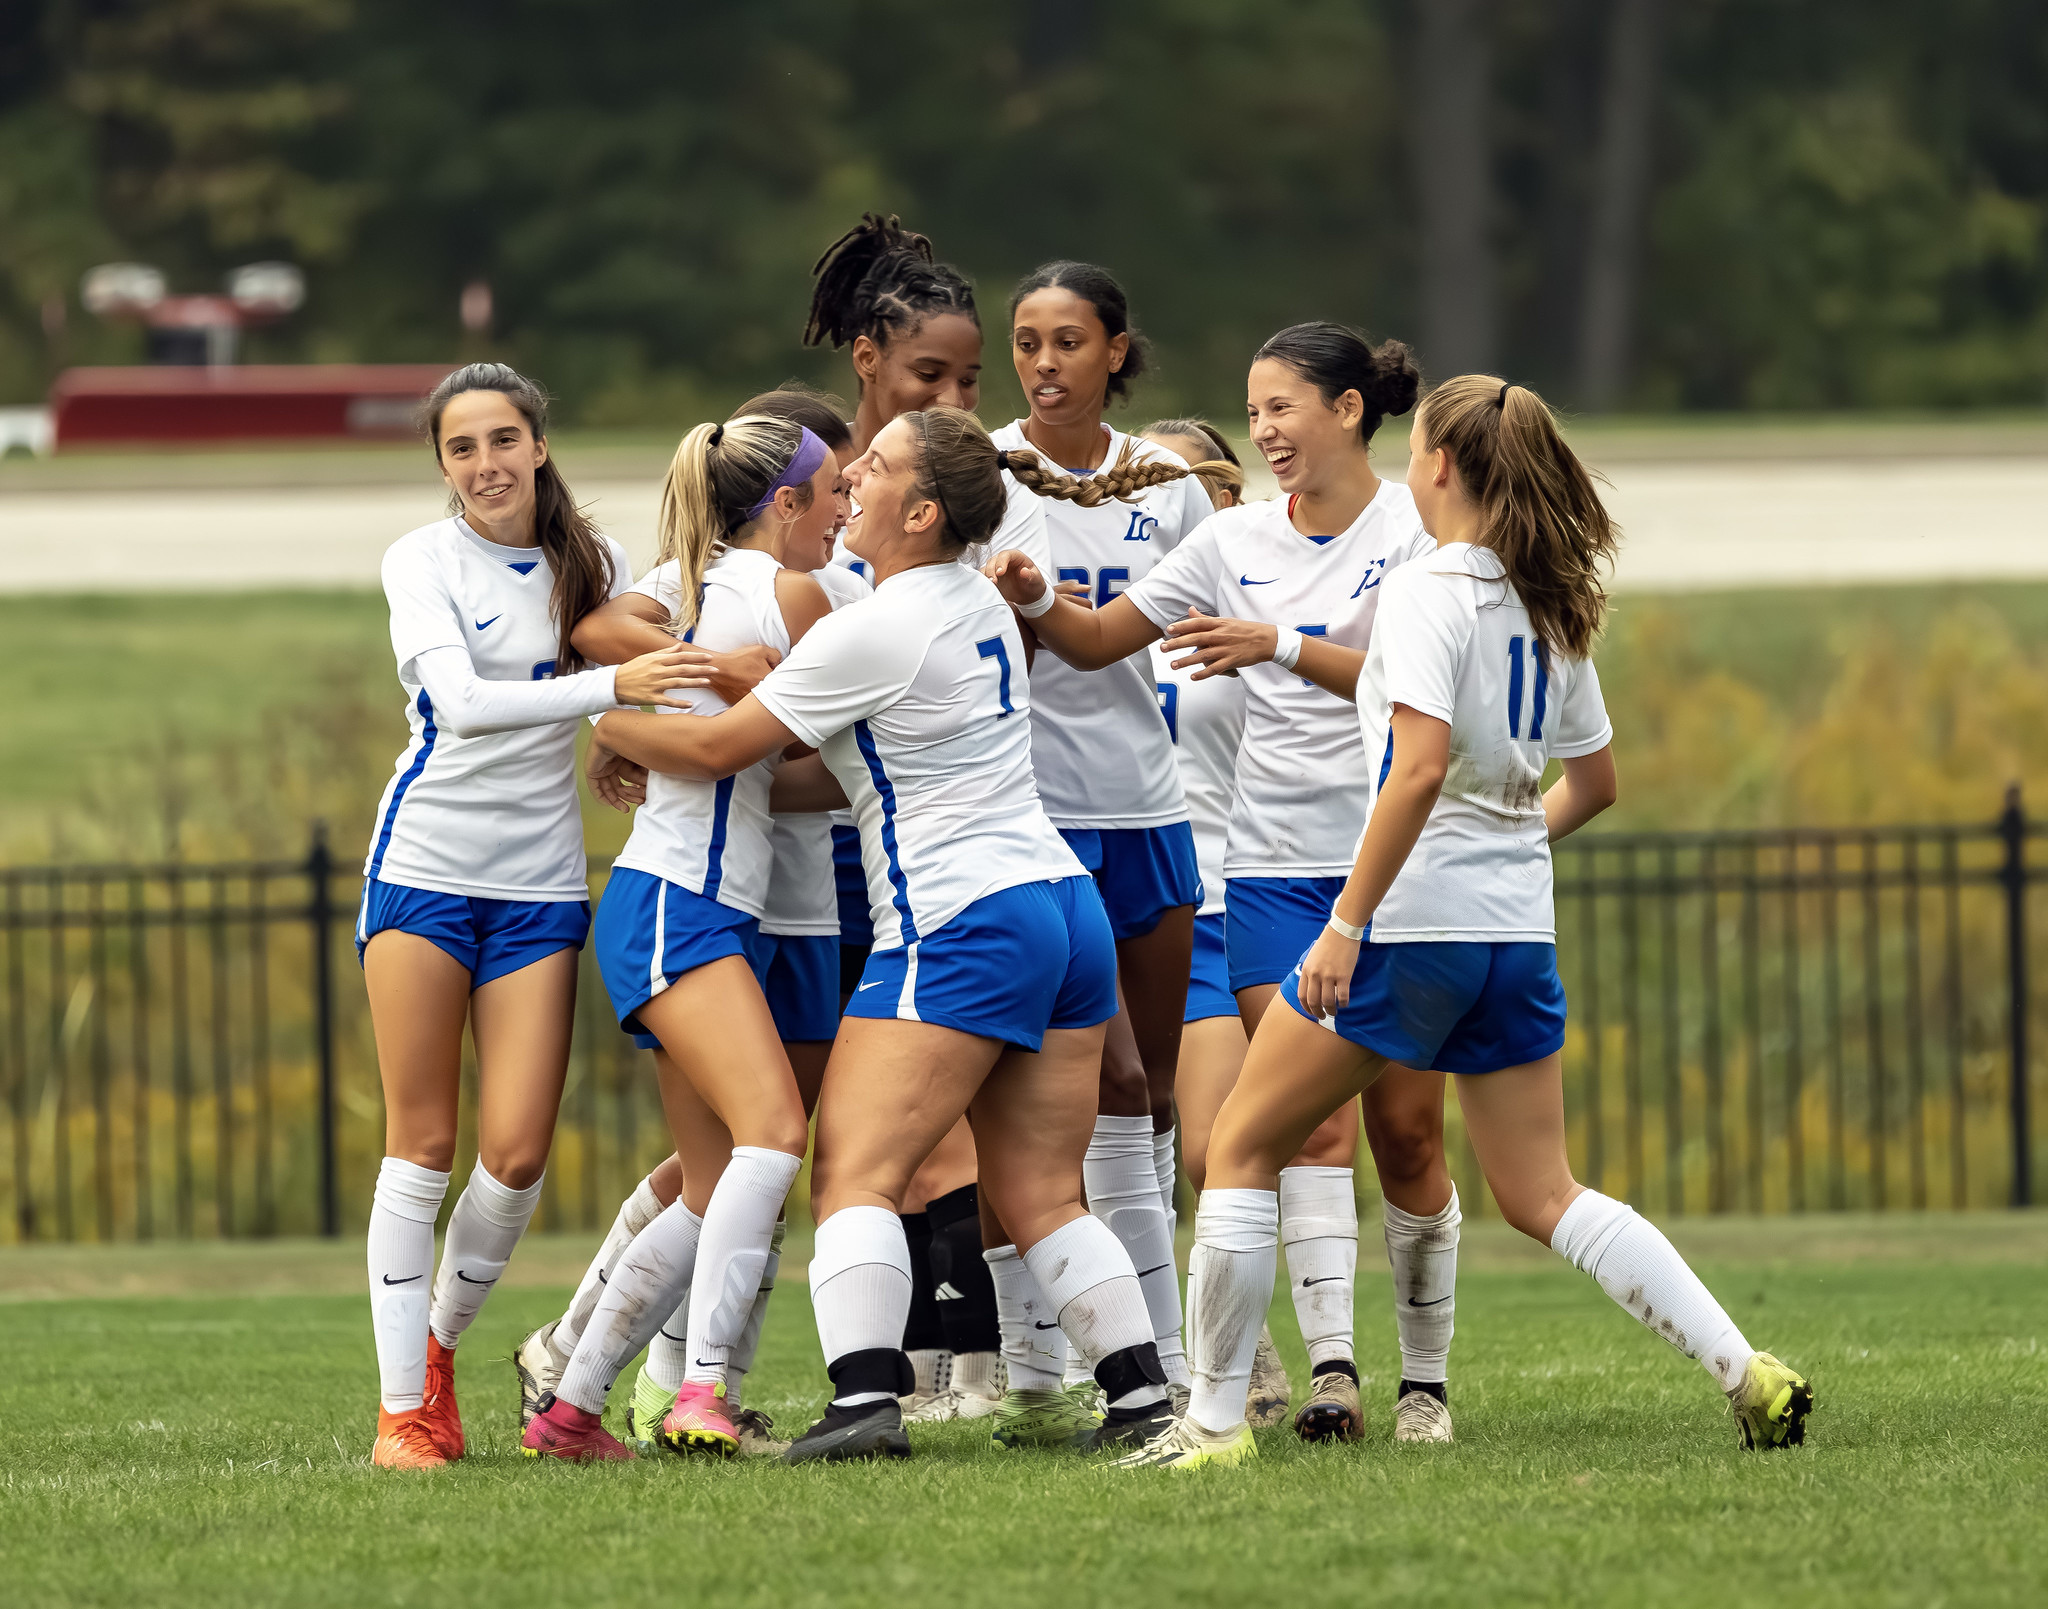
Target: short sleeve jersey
{"type": "Point", "coordinates": [1205, 720]}
{"type": "Point", "coordinates": [917, 700]}
{"type": "Point", "coordinates": [712, 837]}
{"type": "Point", "coordinates": [1101, 752]}
{"type": "Point", "coordinates": [1301, 774]}
{"type": "Point", "coordinates": [1454, 641]}
{"type": "Point", "coordinates": [803, 899]}
{"type": "Point", "coordinates": [496, 816]}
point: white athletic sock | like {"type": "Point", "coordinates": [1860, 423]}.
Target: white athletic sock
{"type": "Point", "coordinates": [1172, 1351]}
{"type": "Point", "coordinates": [668, 1353]}
{"type": "Point", "coordinates": [1164, 1169]}
{"type": "Point", "coordinates": [860, 1287]}
{"type": "Point", "coordinates": [1230, 1283]}
{"type": "Point", "coordinates": [486, 1224]}
{"type": "Point", "coordinates": [1122, 1180]}
{"type": "Point", "coordinates": [402, 1213]}
{"type": "Point", "coordinates": [1423, 1253]}
{"type": "Point", "coordinates": [1087, 1277]}
{"type": "Point", "coordinates": [739, 1221]}
{"type": "Point", "coordinates": [742, 1358]}
{"type": "Point", "coordinates": [636, 1212]}
{"type": "Point", "coordinates": [645, 1284]}
{"type": "Point", "coordinates": [1642, 1271]}
{"type": "Point", "coordinates": [1034, 1345]}
{"type": "Point", "coordinates": [1319, 1227]}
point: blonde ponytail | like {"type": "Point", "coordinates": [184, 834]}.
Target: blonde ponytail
{"type": "Point", "coordinates": [1539, 511]}
{"type": "Point", "coordinates": [719, 472]}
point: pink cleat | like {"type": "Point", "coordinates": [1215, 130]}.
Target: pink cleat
{"type": "Point", "coordinates": [698, 1423]}
{"type": "Point", "coordinates": [563, 1430]}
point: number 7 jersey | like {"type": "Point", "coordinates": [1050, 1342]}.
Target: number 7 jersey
{"type": "Point", "coordinates": [1454, 641]}
{"type": "Point", "coordinates": [917, 700]}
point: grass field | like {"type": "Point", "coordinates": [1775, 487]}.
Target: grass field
{"type": "Point", "coordinates": [210, 1447]}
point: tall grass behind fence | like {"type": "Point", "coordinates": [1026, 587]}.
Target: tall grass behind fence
{"type": "Point", "coordinates": [1760, 1021]}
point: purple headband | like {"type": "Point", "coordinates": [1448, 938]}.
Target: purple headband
{"type": "Point", "coordinates": [803, 464]}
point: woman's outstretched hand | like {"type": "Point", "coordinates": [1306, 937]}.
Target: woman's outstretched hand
{"type": "Point", "coordinates": [1016, 577]}
{"type": "Point", "coordinates": [1221, 647]}
{"type": "Point", "coordinates": [613, 779]}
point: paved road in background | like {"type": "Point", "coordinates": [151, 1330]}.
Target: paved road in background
{"type": "Point", "coordinates": [1689, 526]}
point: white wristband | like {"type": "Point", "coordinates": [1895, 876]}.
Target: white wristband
{"type": "Point", "coordinates": [1340, 926]}
{"type": "Point", "coordinates": [1288, 649]}
{"type": "Point", "coordinates": [1038, 606]}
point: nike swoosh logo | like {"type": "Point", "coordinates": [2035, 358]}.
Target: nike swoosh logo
{"type": "Point", "coordinates": [1144, 1271]}
{"type": "Point", "coordinates": [1247, 581]}
{"type": "Point", "coordinates": [485, 625]}
{"type": "Point", "coordinates": [1441, 1299]}
{"type": "Point", "coordinates": [1038, 1326]}
{"type": "Point", "coordinates": [704, 1364]}
{"type": "Point", "coordinates": [459, 1274]}
{"type": "Point", "coordinates": [860, 986]}
{"type": "Point", "coordinates": [1323, 1281]}
{"type": "Point", "coordinates": [601, 1279]}
{"type": "Point", "coordinates": [678, 1339]}
{"type": "Point", "coordinates": [406, 1281]}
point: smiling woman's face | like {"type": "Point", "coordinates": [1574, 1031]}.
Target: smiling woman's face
{"type": "Point", "coordinates": [488, 456]}
{"type": "Point", "coordinates": [1299, 434]}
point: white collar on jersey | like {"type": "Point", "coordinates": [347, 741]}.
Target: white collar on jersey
{"type": "Point", "coordinates": [1465, 558]}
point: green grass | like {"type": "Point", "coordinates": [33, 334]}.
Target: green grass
{"type": "Point", "coordinates": [211, 1449]}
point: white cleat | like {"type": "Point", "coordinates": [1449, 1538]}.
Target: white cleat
{"type": "Point", "coordinates": [1418, 1416]}
{"type": "Point", "coordinates": [538, 1369]}
{"type": "Point", "coordinates": [933, 1371]}
{"type": "Point", "coordinates": [941, 1407]}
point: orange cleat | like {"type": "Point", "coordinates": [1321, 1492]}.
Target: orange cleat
{"type": "Point", "coordinates": [444, 1418]}
{"type": "Point", "coordinates": [404, 1441]}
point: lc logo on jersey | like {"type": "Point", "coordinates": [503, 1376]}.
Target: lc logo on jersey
{"type": "Point", "coordinates": [1141, 527]}
{"type": "Point", "coordinates": [1375, 573]}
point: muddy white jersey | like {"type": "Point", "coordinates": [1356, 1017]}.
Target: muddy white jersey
{"type": "Point", "coordinates": [803, 899]}
{"type": "Point", "coordinates": [492, 815]}
{"type": "Point", "coordinates": [917, 700]}
{"type": "Point", "coordinates": [1099, 747]}
{"type": "Point", "coordinates": [1301, 774]}
{"type": "Point", "coordinates": [1454, 641]}
{"type": "Point", "coordinates": [712, 837]}
{"type": "Point", "coordinates": [1205, 719]}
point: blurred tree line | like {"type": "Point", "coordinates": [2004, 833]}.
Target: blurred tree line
{"type": "Point", "coordinates": [1665, 204]}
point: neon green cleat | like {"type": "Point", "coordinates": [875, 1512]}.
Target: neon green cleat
{"type": "Point", "coordinates": [1186, 1445]}
{"type": "Point", "coordinates": [1042, 1418]}
{"type": "Point", "coordinates": [650, 1405]}
{"type": "Point", "coordinates": [1770, 1405]}
{"type": "Point", "coordinates": [1089, 1395]}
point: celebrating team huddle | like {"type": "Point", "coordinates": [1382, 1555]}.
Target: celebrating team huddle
{"type": "Point", "coordinates": [1032, 818]}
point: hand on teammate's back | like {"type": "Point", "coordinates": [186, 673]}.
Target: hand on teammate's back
{"type": "Point", "coordinates": [651, 677]}
{"type": "Point", "coordinates": [613, 779]}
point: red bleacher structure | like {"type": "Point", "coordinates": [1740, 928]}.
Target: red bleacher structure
{"type": "Point", "coordinates": [252, 402]}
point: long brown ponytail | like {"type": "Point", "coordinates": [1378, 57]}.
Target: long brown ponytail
{"type": "Point", "coordinates": [577, 557]}
{"type": "Point", "coordinates": [1539, 511]}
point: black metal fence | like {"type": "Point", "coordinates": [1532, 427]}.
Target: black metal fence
{"type": "Point", "coordinates": [1760, 1021]}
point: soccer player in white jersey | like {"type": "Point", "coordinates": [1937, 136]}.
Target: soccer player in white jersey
{"type": "Point", "coordinates": [1205, 718]}
{"type": "Point", "coordinates": [913, 335]}
{"type": "Point", "coordinates": [474, 900]}
{"type": "Point", "coordinates": [748, 508]}
{"type": "Point", "coordinates": [1299, 581]}
{"type": "Point", "coordinates": [993, 970]}
{"type": "Point", "coordinates": [1441, 949]}
{"type": "Point", "coordinates": [1105, 767]}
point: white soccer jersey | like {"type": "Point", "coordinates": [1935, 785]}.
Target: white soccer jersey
{"type": "Point", "coordinates": [712, 837]}
{"type": "Point", "coordinates": [1205, 719]}
{"type": "Point", "coordinates": [1455, 642]}
{"type": "Point", "coordinates": [917, 699]}
{"type": "Point", "coordinates": [1098, 746]}
{"type": "Point", "coordinates": [803, 899]}
{"type": "Point", "coordinates": [1301, 775]}
{"type": "Point", "coordinates": [492, 815]}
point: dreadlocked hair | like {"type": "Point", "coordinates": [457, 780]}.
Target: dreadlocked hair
{"type": "Point", "coordinates": [1538, 509]}
{"type": "Point", "coordinates": [1123, 481]}
{"type": "Point", "coordinates": [717, 474]}
{"type": "Point", "coordinates": [880, 280]}
{"type": "Point", "coordinates": [1220, 471]}
{"type": "Point", "coordinates": [577, 557]}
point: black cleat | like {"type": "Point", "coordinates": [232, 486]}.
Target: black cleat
{"type": "Point", "coordinates": [872, 1430]}
{"type": "Point", "coordinates": [1124, 1430]}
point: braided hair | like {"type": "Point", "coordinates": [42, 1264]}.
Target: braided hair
{"type": "Point", "coordinates": [880, 280]}
{"type": "Point", "coordinates": [1124, 481]}
{"type": "Point", "coordinates": [1219, 471]}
